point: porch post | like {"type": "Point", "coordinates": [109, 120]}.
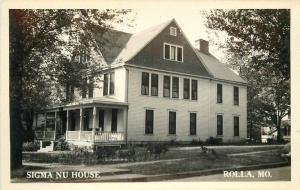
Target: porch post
{"type": "Point", "coordinates": [45, 126]}
{"type": "Point", "coordinates": [80, 123]}
{"type": "Point", "coordinates": [55, 124]}
{"type": "Point", "coordinates": [67, 125]}
{"type": "Point", "coordinates": [125, 118]}
{"type": "Point", "coordinates": [94, 123]}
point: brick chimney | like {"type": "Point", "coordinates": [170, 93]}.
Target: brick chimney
{"type": "Point", "coordinates": [202, 45]}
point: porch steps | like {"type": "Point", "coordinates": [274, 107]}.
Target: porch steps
{"type": "Point", "coordinates": [48, 148]}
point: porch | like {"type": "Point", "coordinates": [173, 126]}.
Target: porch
{"type": "Point", "coordinates": [84, 124]}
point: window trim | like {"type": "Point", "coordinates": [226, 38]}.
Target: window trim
{"type": "Point", "coordinates": [192, 89]}
{"type": "Point", "coordinates": [188, 90]}
{"type": "Point", "coordinates": [169, 121]}
{"type": "Point", "coordinates": [170, 87]}
{"type": "Point", "coordinates": [149, 83]}
{"type": "Point", "coordinates": [221, 114]}
{"type": "Point", "coordinates": [177, 88]}
{"type": "Point", "coordinates": [176, 48]}
{"type": "Point", "coordinates": [238, 116]}
{"type": "Point", "coordinates": [174, 29]}
{"type": "Point", "coordinates": [221, 93]}
{"type": "Point", "coordinates": [108, 84]}
{"type": "Point", "coordinates": [192, 112]}
{"type": "Point", "coordinates": [149, 109]}
{"type": "Point", "coordinates": [151, 74]}
{"type": "Point", "coordinates": [238, 96]}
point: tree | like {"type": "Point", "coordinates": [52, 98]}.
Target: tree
{"type": "Point", "coordinates": [257, 45]}
{"type": "Point", "coordinates": [38, 41]}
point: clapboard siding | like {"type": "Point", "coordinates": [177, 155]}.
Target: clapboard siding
{"type": "Point", "coordinates": [205, 107]}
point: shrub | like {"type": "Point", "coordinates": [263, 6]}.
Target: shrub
{"type": "Point", "coordinates": [31, 146]}
{"type": "Point", "coordinates": [62, 145]}
{"type": "Point", "coordinates": [195, 142]}
{"type": "Point", "coordinates": [213, 141]}
{"type": "Point", "coordinates": [156, 149]}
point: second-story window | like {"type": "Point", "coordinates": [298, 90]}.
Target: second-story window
{"type": "Point", "coordinates": [167, 85]}
{"type": "Point", "coordinates": [145, 84]}
{"type": "Point", "coordinates": [175, 87]}
{"type": "Point", "coordinates": [109, 84]}
{"type": "Point", "coordinates": [173, 52]}
{"type": "Point", "coordinates": [235, 95]}
{"type": "Point", "coordinates": [219, 93]}
{"type": "Point", "coordinates": [194, 89]}
{"type": "Point", "coordinates": [105, 85]}
{"type": "Point", "coordinates": [154, 84]}
{"type": "Point", "coordinates": [186, 89]}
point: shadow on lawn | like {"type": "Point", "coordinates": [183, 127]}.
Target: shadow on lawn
{"type": "Point", "coordinates": [21, 172]}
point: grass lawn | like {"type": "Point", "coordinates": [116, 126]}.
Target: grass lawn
{"type": "Point", "coordinates": [173, 161]}
{"type": "Point", "coordinates": [194, 161]}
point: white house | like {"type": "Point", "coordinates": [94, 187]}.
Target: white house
{"type": "Point", "coordinates": [157, 87]}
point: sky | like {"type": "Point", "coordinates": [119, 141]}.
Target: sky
{"type": "Point", "coordinates": [191, 22]}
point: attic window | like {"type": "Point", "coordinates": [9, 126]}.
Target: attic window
{"type": "Point", "coordinates": [173, 31]}
{"type": "Point", "coordinates": [173, 52]}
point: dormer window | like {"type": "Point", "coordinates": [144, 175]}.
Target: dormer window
{"type": "Point", "coordinates": [173, 52]}
{"type": "Point", "coordinates": [173, 31]}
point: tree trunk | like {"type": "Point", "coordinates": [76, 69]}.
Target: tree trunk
{"type": "Point", "coordinates": [278, 129]}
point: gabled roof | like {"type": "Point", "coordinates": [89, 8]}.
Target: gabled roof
{"type": "Point", "coordinates": [139, 40]}
{"type": "Point", "coordinates": [123, 48]}
{"type": "Point", "coordinates": [217, 69]}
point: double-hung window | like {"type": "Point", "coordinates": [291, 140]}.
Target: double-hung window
{"type": "Point", "coordinates": [149, 122]}
{"type": "Point", "coordinates": [220, 125]}
{"type": "Point", "coordinates": [173, 52]}
{"type": "Point", "coordinates": [236, 95]}
{"type": "Point", "coordinates": [186, 89]}
{"type": "Point", "coordinates": [193, 123]}
{"type": "Point", "coordinates": [172, 122]}
{"type": "Point", "coordinates": [145, 84]}
{"type": "Point", "coordinates": [175, 87]}
{"type": "Point", "coordinates": [167, 85]}
{"type": "Point", "coordinates": [108, 86]}
{"type": "Point", "coordinates": [236, 126]}
{"type": "Point", "coordinates": [219, 93]}
{"type": "Point", "coordinates": [154, 84]}
{"type": "Point", "coordinates": [194, 89]}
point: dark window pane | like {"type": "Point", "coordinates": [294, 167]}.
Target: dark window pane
{"type": "Point", "coordinates": [186, 89]}
{"type": "Point", "coordinates": [193, 123]}
{"type": "Point", "coordinates": [167, 51]}
{"type": "Point", "coordinates": [154, 85]}
{"type": "Point", "coordinates": [219, 124]}
{"type": "Point", "coordinates": [112, 84]}
{"type": "Point", "coordinates": [105, 86]}
{"type": "Point", "coordinates": [175, 87]}
{"type": "Point", "coordinates": [194, 89]}
{"type": "Point", "coordinates": [172, 123]}
{"type": "Point", "coordinates": [101, 120]}
{"type": "Point", "coordinates": [179, 54]}
{"type": "Point", "coordinates": [86, 118]}
{"type": "Point", "coordinates": [114, 120]}
{"type": "Point", "coordinates": [236, 95]}
{"type": "Point", "coordinates": [166, 86]}
{"type": "Point", "coordinates": [149, 122]}
{"type": "Point", "coordinates": [236, 126]}
{"type": "Point", "coordinates": [219, 93]}
{"type": "Point", "coordinates": [145, 84]}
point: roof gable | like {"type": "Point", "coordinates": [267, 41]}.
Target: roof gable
{"type": "Point", "coordinates": [151, 54]}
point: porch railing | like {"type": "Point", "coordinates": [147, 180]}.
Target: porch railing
{"type": "Point", "coordinates": [109, 136]}
{"type": "Point", "coordinates": [98, 137]}
{"type": "Point", "coordinates": [48, 135]}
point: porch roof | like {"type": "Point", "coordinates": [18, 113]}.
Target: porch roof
{"type": "Point", "coordinates": [104, 101]}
